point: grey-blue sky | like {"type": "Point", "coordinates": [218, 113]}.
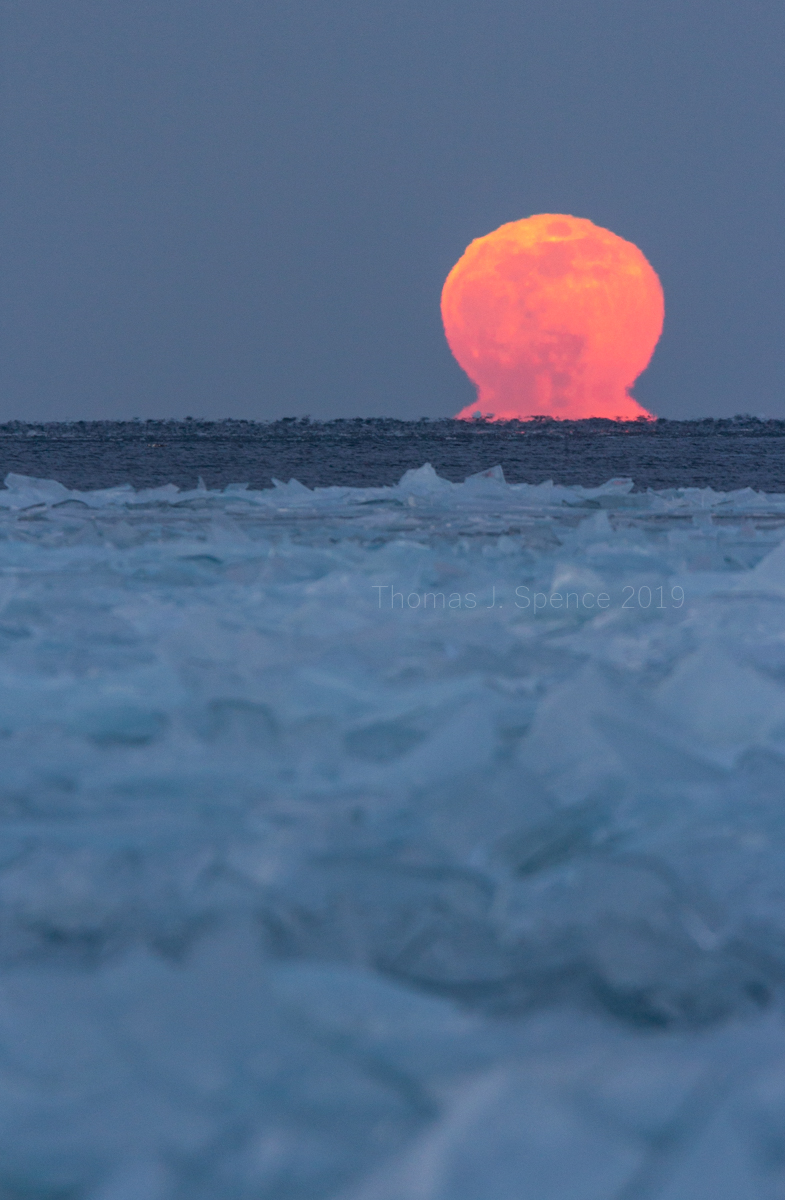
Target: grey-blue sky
{"type": "Point", "coordinates": [235, 208]}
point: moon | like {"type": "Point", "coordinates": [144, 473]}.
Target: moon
{"type": "Point", "coordinates": [555, 316]}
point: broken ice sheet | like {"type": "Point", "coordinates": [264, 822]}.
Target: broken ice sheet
{"type": "Point", "coordinates": [307, 895]}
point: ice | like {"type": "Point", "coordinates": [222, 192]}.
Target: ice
{"type": "Point", "coordinates": [422, 842]}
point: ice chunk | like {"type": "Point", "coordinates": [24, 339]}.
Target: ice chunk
{"type": "Point", "coordinates": [423, 481]}
{"type": "Point", "coordinates": [770, 571]}
{"type": "Point", "coordinates": [727, 705]}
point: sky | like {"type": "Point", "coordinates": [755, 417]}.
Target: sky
{"type": "Point", "coordinates": [235, 208]}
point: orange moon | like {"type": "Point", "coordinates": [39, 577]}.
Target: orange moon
{"type": "Point", "coordinates": [553, 316]}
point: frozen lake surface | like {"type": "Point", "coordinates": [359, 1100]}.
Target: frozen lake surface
{"type": "Point", "coordinates": [420, 842]}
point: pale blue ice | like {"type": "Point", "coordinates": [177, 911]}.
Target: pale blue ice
{"type": "Point", "coordinates": [411, 843]}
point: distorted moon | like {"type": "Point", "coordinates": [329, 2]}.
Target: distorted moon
{"type": "Point", "coordinates": [555, 316]}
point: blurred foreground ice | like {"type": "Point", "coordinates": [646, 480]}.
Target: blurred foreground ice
{"type": "Point", "coordinates": [303, 895]}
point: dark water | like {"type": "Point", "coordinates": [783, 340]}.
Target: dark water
{"type": "Point", "coordinates": [723, 454]}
